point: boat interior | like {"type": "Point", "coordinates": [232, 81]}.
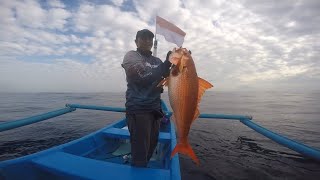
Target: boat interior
{"type": "Point", "coordinates": [104, 151]}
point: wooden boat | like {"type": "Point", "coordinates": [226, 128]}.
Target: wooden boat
{"type": "Point", "coordinates": [104, 154]}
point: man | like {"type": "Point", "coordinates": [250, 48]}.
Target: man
{"type": "Point", "coordinates": [143, 106]}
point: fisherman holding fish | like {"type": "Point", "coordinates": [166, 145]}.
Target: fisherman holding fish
{"type": "Point", "coordinates": [143, 107]}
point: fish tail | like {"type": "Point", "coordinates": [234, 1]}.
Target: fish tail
{"type": "Point", "coordinates": [185, 149]}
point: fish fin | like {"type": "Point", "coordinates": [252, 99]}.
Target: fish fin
{"type": "Point", "coordinates": [163, 82]}
{"type": "Point", "coordinates": [203, 86]}
{"type": "Point", "coordinates": [185, 149]}
{"type": "Point", "coordinates": [196, 114]}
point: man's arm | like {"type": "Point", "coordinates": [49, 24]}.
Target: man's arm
{"type": "Point", "coordinates": [135, 67]}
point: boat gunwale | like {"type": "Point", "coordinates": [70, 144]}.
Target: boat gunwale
{"type": "Point", "coordinates": [60, 148]}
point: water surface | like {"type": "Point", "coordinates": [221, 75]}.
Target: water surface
{"type": "Point", "coordinates": [227, 149]}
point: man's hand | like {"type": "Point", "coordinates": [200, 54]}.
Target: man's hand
{"type": "Point", "coordinates": [168, 55]}
{"type": "Point", "coordinates": [167, 62]}
{"type": "Point", "coordinates": [166, 66]}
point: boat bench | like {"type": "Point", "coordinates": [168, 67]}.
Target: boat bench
{"type": "Point", "coordinates": [67, 166]}
{"type": "Point", "coordinates": [124, 134]}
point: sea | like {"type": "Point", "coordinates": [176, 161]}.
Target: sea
{"type": "Point", "coordinates": [227, 149]}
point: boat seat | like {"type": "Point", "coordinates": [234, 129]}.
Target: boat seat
{"type": "Point", "coordinates": [68, 166]}
{"type": "Point", "coordinates": [124, 134]}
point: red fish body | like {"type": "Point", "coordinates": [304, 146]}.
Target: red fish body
{"type": "Point", "coordinates": [185, 90]}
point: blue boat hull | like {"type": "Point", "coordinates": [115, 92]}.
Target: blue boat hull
{"type": "Point", "coordinates": [99, 155]}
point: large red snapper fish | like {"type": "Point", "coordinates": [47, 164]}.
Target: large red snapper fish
{"type": "Point", "coordinates": [185, 92]}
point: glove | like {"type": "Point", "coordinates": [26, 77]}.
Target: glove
{"type": "Point", "coordinates": [168, 55]}
{"type": "Point", "coordinates": [167, 62]}
{"type": "Point", "coordinates": [166, 66]}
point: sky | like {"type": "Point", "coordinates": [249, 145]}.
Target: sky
{"type": "Point", "coordinates": [237, 45]}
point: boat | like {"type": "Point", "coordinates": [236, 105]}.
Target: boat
{"type": "Point", "coordinates": [105, 154]}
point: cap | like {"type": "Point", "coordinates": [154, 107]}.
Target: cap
{"type": "Point", "coordinates": [144, 33]}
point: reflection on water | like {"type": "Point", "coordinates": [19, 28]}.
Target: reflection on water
{"type": "Point", "coordinates": [247, 144]}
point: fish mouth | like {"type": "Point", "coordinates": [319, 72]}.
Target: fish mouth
{"type": "Point", "coordinates": [179, 58]}
{"type": "Point", "coordinates": [175, 56]}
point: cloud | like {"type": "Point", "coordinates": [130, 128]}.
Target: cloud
{"type": "Point", "coordinates": [65, 75]}
{"type": "Point", "coordinates": [289, 18]}
{"type": "Point", "coordinates": [56, 4]}
{"type": "Point", "coordinates": [57, 18]}
{"type": "Point", "coordinates": [117, 2]}
{"type": "Point", "coordinates": [64, 46]}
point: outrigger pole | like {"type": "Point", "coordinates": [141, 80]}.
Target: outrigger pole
{"type": "Point", "coordinates": [301, 148]}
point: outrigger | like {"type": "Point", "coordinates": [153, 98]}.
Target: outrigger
{"type": "Point", "coordinates": [105, 153]}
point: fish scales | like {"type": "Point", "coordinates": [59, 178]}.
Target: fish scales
{"type": "Point", "coordinates": [185, 91]}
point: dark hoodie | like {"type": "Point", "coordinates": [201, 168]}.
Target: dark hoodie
{"type": "Point", "coordinates": [143, 72]}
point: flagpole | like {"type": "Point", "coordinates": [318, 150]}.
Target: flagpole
{"type": "Point", "coordinates": [155, 45]}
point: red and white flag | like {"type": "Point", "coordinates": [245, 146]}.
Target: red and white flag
{"type": "Point", "coordinates": [170, 31]}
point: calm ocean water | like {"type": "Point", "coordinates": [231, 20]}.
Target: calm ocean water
{"type": "Point", "coordinates": [226, 149]}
